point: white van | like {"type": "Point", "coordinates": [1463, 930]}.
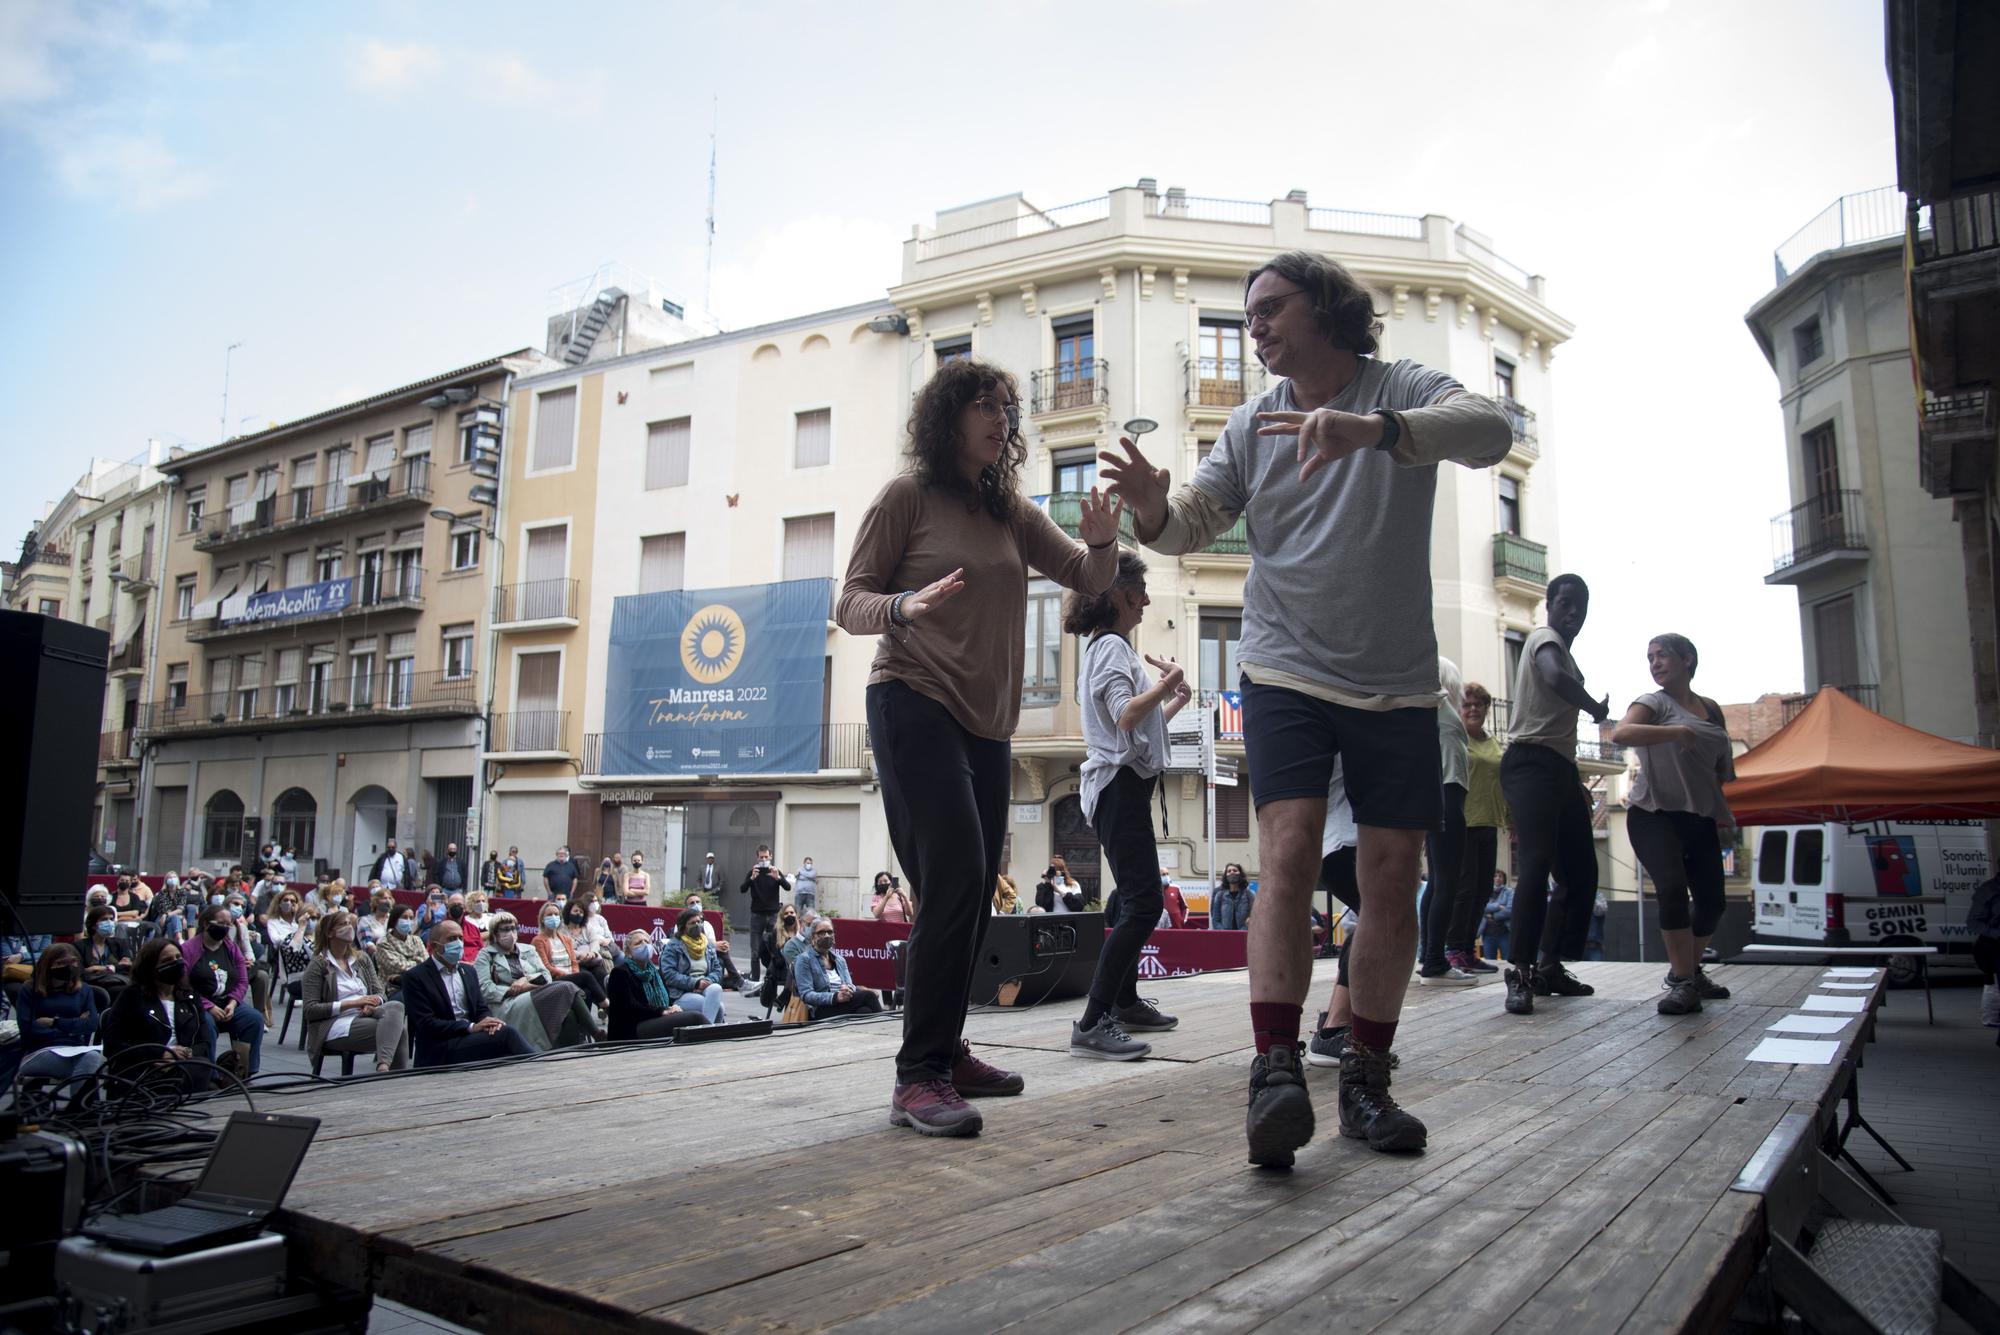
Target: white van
{"type": "Point", "coordinates": [1909, 882]}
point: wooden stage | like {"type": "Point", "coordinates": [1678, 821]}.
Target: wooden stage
{"type": "Point", "coordinates": [1577, 1178]}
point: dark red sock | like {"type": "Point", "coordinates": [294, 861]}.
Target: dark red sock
{"type": "Point", "coordinates": [1375, 1035]}
{"type": "Point", "coordinates": [1275, 1024]}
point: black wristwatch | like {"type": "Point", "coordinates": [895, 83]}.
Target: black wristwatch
{"type": "Point", "coordinates": [1392, 430]}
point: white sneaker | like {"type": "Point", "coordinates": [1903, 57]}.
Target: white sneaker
{"type": "Point", "coordinates": [1989, 1006]}
{"type": "Point", "coordinates": [1449, 978]}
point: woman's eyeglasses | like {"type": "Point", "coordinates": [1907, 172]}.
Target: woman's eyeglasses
{"type": "Point", "coordinates": [994, 411]}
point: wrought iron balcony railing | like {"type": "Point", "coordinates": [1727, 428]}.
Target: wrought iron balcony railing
{"type": "Point", "coordinates": [405, 483]}
{"type": "Point", "coordinates": [1071, 385]}
{"type": "Point", "coordinates": [1515, 557]}
{"type": "Point", "coordinates": [314, 701]}
{"type": "Point", "coordinates": [536, 600]}
{"type": "Point", "coordinates": [1827, 524]}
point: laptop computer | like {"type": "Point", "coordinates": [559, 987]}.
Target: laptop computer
{"type": "Point", "coordinates": [246, 1178]}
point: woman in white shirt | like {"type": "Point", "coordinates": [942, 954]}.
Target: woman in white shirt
{"type": "Point", "coordinates": [343, 996]}
{"type": "Point", "coordinates": [1125, 718]}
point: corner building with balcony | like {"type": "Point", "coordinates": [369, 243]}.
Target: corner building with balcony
{"type": "Point", "coordinates": [749, 457]}
{"type": "Point", "coordinates": [320, 661]}
{"type": "Point", "coordinates": [1873, 555]}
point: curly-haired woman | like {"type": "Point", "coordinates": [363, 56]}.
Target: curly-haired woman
{"type": "Point", "coordinates": [940, 572]}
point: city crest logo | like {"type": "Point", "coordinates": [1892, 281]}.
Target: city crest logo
{"type": "Point", "coordinates": [712, 644]}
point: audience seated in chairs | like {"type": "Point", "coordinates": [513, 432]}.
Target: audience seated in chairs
{"type": "Point", "coordinates": [731, 980]}
{"type": "Point", "coordinates": [56, 1010]}
{"type": "Point", "coordinates": [475, 936]}
{"type": "Point", "coordinates": [642, 1006]}
{"type": "Point", "coordinates": [18, 955]}
{"type": "Point", "coordinates": [597, 933]}
{"type": "Point", "coordinates": [251, 944]}
{"type": "Point", "coordinates": [220, 976]}
{"type": "Point", "coordinates": [106, 957]}
{"type": "Point", "coordinates": [130, 898]}
{"type": "Point", "coordinates": [447, 1016]}
{"type": "Point", "coordinates": [402, 949]}
{"type": "Point", "coordinates": [565, 953]}
{"type": "Point", "coordinates": [158, 1023]}
{"type": "Point", "coordinates": [381, 904]}
{"type": "Point", "coordinates": [693, 965]}
{"type": "Point", "coordinates": [346, 1008]}
{"type": "Point", "coordinates": [518, 989]}
{"type": "Point", "coordinates": [824, 983]}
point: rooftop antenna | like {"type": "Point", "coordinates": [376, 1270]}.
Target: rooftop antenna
{"type": "Point", "coordinates": [222, 432]}
{"type": "Point", "coordinates": [708, 270]}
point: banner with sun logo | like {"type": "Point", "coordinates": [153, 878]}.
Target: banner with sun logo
{"type": "Point", "coordinates": [717, 681]}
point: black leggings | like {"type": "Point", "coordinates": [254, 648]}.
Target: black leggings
{"type": "Point", "coordinates": [1475, 885]}
{"type": "Point", "coordinates": [1986, 956]}
{"type": "Point", "coordinates": [1445, 849]}
{"type": "Point", "coordinates": [1552, 826]}
{"type": "Point", "coordinates": [944, 795]}
{"type": "Point", "coordinates": [1123, 820]}
{"type": "Point", "coordinates": [1337, 878]}
{"type": "Point", "coordinates": [1683, 854]}
{"type": "Point", "coordinates": [588, 984]}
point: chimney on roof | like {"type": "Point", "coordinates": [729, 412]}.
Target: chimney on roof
{"type": "Point", "coordinates": [1295, 196]}
{"type": "Point", "coordinates": [1148, 186]}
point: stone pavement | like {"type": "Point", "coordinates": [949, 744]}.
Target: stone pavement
{"type": "Point", "coordinates": [1933, 1091]}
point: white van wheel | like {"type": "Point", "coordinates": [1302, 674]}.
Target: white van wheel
{"type": "Point", "coordinates": [1902, 969]}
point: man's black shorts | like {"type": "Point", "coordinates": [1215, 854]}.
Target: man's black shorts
{"type": "Point", "coordinates": [1389, 757]}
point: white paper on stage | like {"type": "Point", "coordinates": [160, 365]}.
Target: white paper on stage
{"type": "Point", "coordinates": [1804, 1051]}
{"type": "Point", "coordinates": [1820, 1002]}
{"type": "Point", "coordinates": [1848, 971]}
{"type": "Point", "coordinates": [1810, 1024]}
{"type": "Point", "coordinates": [1846, 987]}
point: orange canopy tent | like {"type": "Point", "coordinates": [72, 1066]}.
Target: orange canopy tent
{"type": "Point", "coordinates": [1841, 761]}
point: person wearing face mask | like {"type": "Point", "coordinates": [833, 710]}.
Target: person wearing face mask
{"type": "Point", "coordinates": [638, 887]}
{"type": "Point", "coordinates": [454, 909]}
{"type": "Point", "coordinates": [642, 1005]}
{"type": "Point", "coordinates": [220, 976]}
{"type": "Point", "coordinates": [566, 955]}
{"type": "Point", "coordinates": [825, 984]}
{"type": "Point", "coordinates": [508, 876]}
{"type": "Point", "coordinates": [381, 905]}
{"type": "Point", "coordinates": [693, 967]}
{"type": "Point", "coordinates": [805, 887]}
{"type": "Point", "coordinates": [489, 874]}
{"type": "Point", "coordinates": [446, 1011]}
{"type": "Point", "coordinates": [596, 935]}
{"type": "Point", "coordinates": [251, 945]}
{"type": "Point", "coordinates": [891, 903]}
{"type": "Point", "coordinates": [158, 1022]}
{"type": "Point", "coordinates": [347, 1009]}
{"type": "Point", "coordinates": [57, 1010]}
{"type": "Point", "coordinates": [731, 980]}
{"type": "Point", "coordinates": [476, 911]}
{"type": "Point", "coordinates": [290, 933]}
{"type": "Point", "coordinates": [401, 947]}
{"type": "Point", "coordinates": [106, 959]}
{"type": "Point", "coordinates": [776, 990]}
{"type": "Point", "coordinates": [518, 989]}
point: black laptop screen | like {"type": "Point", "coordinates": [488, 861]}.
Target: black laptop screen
{"type": "Point", "coordinates": [255, 1159]}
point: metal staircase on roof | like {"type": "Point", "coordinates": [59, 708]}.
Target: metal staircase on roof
{"type": "Point", "coordinates": [584, 336]}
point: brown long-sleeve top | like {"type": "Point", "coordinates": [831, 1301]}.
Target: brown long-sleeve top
{"type": "Point", "coordinates": [966, 652]}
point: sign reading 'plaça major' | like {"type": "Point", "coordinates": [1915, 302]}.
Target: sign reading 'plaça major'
{"type": "Point", "coordinates": [717, 681]}
{"type": "Point", "coordinates": [304, 600]}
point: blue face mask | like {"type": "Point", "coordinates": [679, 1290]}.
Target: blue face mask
{"type": "Point", "coordinates": [105, 927]}
{"type": "Point", "coordinates": [643, 953]}
{"type": "Point", "coordinates": [405, 926]}
{"type": "Point", "coordinates": [453, 953]}
{"type": "Point", "coordinates": [551, 922]}
{"type": "Point", "coordinates": [215, 899]}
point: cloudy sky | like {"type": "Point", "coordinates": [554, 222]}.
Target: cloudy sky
{"type": "Point", "coordinates": [362, 194]}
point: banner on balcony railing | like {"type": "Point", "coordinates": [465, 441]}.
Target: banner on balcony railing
{"type": "Point", "coordinates": [717, 681]}
{"type": "Point", "coordinates": [305, 600]}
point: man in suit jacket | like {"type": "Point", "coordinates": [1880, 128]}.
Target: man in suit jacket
{"type": "Point", "coordinates": [446, 1014]}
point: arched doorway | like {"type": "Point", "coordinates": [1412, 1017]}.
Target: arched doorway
{"type": "Point", "coordinates": [1072, 838]}
{"type": "Point", "coordinates": [374, 810]}
{"type": "Point", "coordinates": [295, 822]}
{"type": "Point", "coordinates": [222, 825]}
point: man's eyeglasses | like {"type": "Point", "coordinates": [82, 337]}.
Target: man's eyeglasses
{"type": "Point", "coordinates": [1268, 308]}
{"type": "Point", "coordinates": [995, 412]}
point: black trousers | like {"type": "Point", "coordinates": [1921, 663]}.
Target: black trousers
{"type": "Point", "coordinates": [1552, 827]}
{"type": "Point", "coordinates": [944, 793]}
{"type": "Point", "coordinates": [1683, 854]}
{"type": "Point", "coordinates": [1444, 848]}
{"type": "Point", "coordinates": [863, 1002]}
{"type": "Point", "coordinates": [588, 984]}
{"type": "Point", "coordinates": [1124, 824]}
{"type": "Point", "coordinates": [1475, 886]}
{"type": "Point", "coordinates": [763, 927]}
{"type": "Point", "coordinates": [478, 1048]}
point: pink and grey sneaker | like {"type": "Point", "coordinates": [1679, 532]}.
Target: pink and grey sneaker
{"type": "Point", "coordinates": [1467, 962]}
{"type": "Point", "coordinates": [975, 1079]}
{"type": "Point", "coordinates": [933, 1108]}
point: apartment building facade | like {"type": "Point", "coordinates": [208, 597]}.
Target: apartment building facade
{"type": "Point", "coordinates": [748, 458]}
{"type": "Point", "coordinates": [1873, 555]}
{"type": "Point", "coordinates": [320, 655]}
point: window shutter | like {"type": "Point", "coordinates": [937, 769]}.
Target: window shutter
{"type": "Point", "coordinates": [812, 442]}
{"type": "Point", "coordinates": [663, 563]}
{"type": "Point", "coordinates": [548, 553]}
{"type": "Point", "coordinates": [555, 429]}
{"type": "Point", "coordinates": [403, 644]}
{"type": "Point", "coordinates": [668, 446]}
{"type": "Point", "coordinates": [417, 440]}
{"type": "Point", "coordinates": [288, 666]}
{"type": "Point", "coordinates": [536, 688]}
{"type": "Point", "coordinates": [809, 547]}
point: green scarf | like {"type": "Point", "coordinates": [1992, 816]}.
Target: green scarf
{"type": "Point", "coordinates": [655, 985]}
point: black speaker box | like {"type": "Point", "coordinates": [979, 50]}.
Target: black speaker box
{"type": "Point", "coordinates": [1054, 955]}
{"type": "Point", "coordinates": [52, 683]}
